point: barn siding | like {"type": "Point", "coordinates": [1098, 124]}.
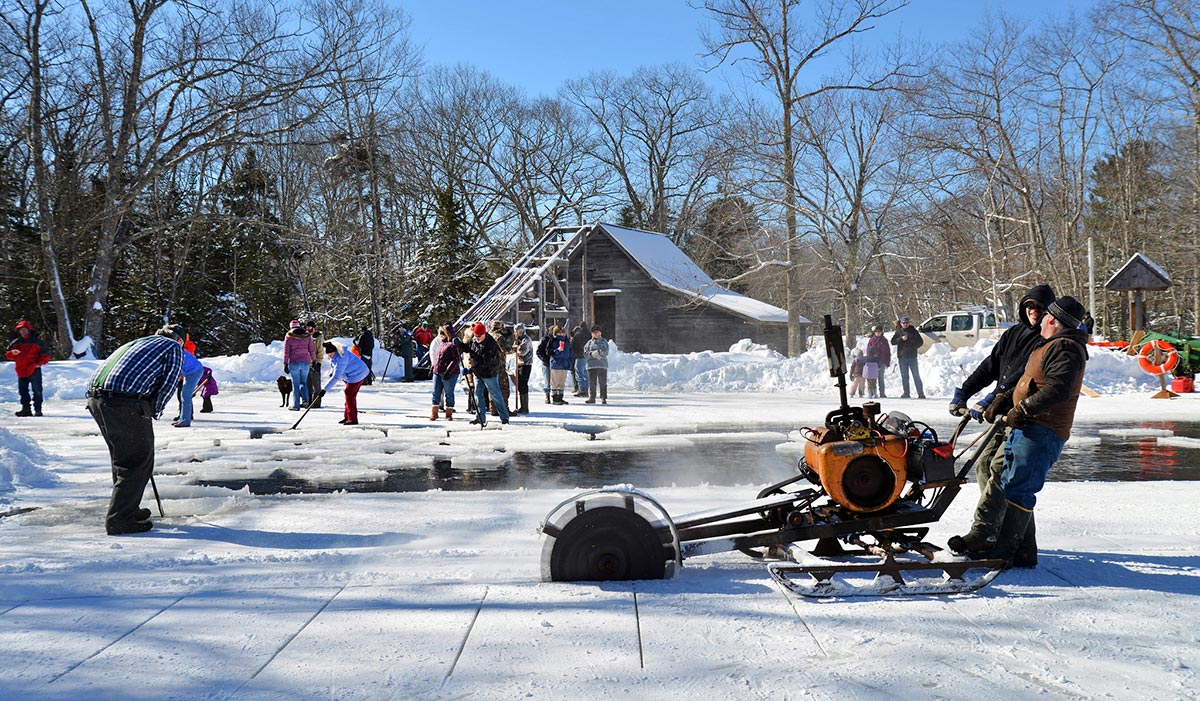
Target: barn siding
{"type": "Point", "coordinates": [651, 319]}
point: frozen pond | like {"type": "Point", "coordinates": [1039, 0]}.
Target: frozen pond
{"type": "Point", "coordinates": [1130, 451]}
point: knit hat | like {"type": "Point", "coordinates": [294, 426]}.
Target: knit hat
{"type": "Point", "coordinates": [903, 319]}
{"type": "Point", "coordinates": [173, 331]}
{"type": "Point", "coordinates": [521, 328]}
{"type": "Point", "coordinates": [294, 324]}
{"type": "Point", "coordinates": [479, 328]}
{"type": "Point", "coordinates": [877, 328]}
{"type": "Point", "coordinates": [1067, 310]}
{"type": "Point", "coordinates": [329, 347]}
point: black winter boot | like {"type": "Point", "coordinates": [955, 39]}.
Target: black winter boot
{"type": "Point", "coordinates": [974, 541]}
{"type": "Point", "coordinates": [23, 412]}
{"type": "Point", "coordinates": [1012, 532]}
{"type": "Point", "coordinates": [1026, 555]}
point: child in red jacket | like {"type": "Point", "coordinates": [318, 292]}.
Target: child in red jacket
{"type": "Point", "coordinates": [30, 353]}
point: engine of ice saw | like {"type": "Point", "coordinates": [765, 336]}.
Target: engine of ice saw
{"type": "Point", "coordinates": [864, 469]}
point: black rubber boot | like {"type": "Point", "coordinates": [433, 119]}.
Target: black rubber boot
{"type": "Point", "coordinates": [1026, 555]}
{"type": "Point", "coordinates": [1012, 533]}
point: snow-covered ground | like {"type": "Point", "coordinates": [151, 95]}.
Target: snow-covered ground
{"type": "Point", "coordinates": [429, 595]}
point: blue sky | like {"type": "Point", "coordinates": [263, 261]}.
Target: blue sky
{"type": "Point", "coordinates": [539, 44]}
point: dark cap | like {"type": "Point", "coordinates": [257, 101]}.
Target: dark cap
{"type": "Point", "coordinates": [1068, 311]}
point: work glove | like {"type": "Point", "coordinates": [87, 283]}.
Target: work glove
{"type": "Point", "coordinates": [1016, 416]}
{"type": "Point", "coordinates": [958, 405]}
{"type": "Point", "coordinates": [1000, 404]}
{"type": "Point", "coordinates": [979, 407]}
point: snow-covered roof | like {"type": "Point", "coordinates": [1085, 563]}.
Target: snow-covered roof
{"type": "Point", "coordinates": [671, 268]}
{"type": "Point", "coordinates": [1139, 273]}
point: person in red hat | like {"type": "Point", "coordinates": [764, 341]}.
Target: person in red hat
{"type": "Point", "coordinates": [30, 353]}
{"type": "Point", "coordinates": [486, 364]}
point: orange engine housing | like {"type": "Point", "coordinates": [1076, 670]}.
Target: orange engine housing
{"type": "Point", "coordinates": [864, 475]}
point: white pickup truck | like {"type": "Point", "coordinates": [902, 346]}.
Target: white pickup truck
{"type": "Point", "coordinates": [961, 329]}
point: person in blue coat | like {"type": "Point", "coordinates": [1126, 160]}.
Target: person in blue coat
{"type": "Point", "coordinates": [351, 369]}
{"type": "Point", "coordinates": [192, 371]}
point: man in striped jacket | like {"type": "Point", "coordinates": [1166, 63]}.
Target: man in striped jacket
{"type": "Point", "coordinates": [129, 391]}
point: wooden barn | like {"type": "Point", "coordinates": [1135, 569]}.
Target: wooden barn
{"type": "Point", "coordinates": [637, 285]}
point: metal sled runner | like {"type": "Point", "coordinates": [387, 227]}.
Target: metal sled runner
{"type": "Point", "coordinates": [866, 480]}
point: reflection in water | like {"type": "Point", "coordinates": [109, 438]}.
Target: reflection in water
{"type": "Point", "coordinates": [1107, 458]}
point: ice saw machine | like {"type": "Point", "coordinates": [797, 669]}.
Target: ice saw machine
{"type": "Point", "coordinates": [865, 485]}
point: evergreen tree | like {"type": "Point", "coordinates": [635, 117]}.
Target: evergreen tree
{"type": "Point", "coordinates": [20, 260]}
{"type": "Point", "coordinates": [249, 295]}
{"type": "Point", "coordinates": [448, 273]}
{"type": "Point", "coordinates": [724, 239]}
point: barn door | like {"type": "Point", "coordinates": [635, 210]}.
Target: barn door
{"type": "Point", "coordinates": [604, 313]}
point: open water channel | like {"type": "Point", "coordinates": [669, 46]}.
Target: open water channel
{"type": "Point", "coordinates": [1096, 452]}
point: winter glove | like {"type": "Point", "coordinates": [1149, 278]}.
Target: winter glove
{"type": "Point", "coordinates": [979, 407]}
{"type": "Point", "coordinates": [466, 371]}
{"type": "Point", "coordinates": [320, 393]}
{"type": "Point", "coordinates": [1016, 416]}
{"type": "Point", "coordinates": [958, 405]}
{"type": "Point", "coordinates": [999, 405]}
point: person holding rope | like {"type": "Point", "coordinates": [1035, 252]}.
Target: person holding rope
{"type": "Point", "coordinates": [129, 390]}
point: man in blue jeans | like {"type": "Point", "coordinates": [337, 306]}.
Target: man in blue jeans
{"type": "Point", "coordinates": [1041, 411]}
{"type": "Point", "coordinates": [907, 341]}
{"type": "Point", "coordinates": [487, 362]}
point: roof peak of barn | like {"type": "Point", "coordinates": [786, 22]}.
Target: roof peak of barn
{"type": "Point", "coordinates": [671, 268]}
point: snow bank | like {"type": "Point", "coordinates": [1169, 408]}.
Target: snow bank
{"type": "Point", "coordinates": [745, 367]}
{"type": "Point", "coordinates": [22, 462]}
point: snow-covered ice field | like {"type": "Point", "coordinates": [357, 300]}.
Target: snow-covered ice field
{"type": "Point", "coordinates": [436, 595]}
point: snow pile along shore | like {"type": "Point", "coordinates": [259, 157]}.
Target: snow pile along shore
{"type": "Point", "coordinates": [745, 367]}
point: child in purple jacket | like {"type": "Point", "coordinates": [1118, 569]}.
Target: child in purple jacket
{"type": "Point", "coordinates": [208, 388]}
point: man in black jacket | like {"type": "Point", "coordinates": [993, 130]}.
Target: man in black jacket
{"type": "Point", "coordinates": [1041, 411]}
{"type": "Point", "coordinates": [907, 341]}
{"type": "Point", "coordinates": [486, 365]}
{"type": "Point", "coordinates": [579, 339]}
{"type": "Point", "coordinates": [1003, 367]}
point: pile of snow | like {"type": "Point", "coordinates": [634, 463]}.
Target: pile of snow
{"type": "Point", "coordinates": [745, 367]}
{"type": "Point", "coordinates": [23, 463]}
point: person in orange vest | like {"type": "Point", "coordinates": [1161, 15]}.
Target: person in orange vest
{"type": "Point", "coordinates": [30, 353]}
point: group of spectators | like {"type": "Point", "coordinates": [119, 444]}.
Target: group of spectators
{"type": "Point", "coordinates": [495, 359]}
{"type": "Point", "coordinates": [867, 368]}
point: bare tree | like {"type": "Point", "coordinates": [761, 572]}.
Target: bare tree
{"type": "Point", "coordinates": [779, 40]}
{"type": "Point", "coordinates": [167, 82]}
{"type": "Point", "coordinates": [653, 131]}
